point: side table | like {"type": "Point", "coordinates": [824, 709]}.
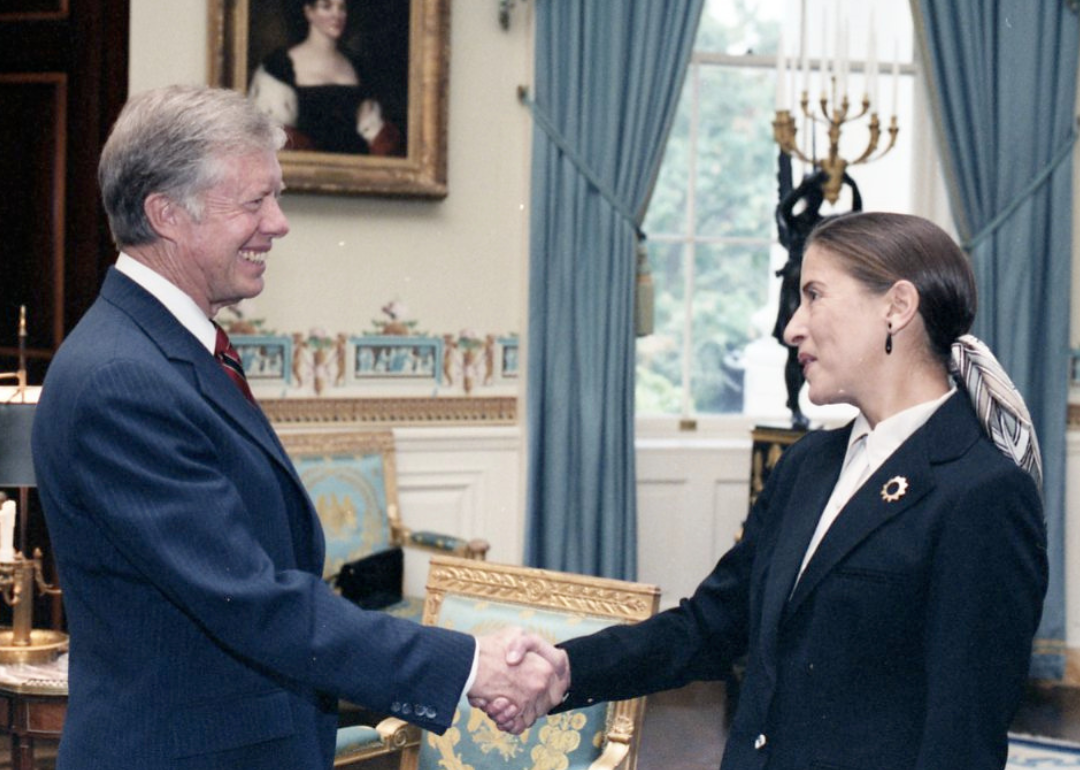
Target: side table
{"type": "Point", "coordinates": [33, 704]}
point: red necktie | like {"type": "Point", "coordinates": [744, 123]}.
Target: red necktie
{"type": "Point", "coordinates": [226, 355]}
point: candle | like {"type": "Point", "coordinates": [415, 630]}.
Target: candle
{"type": "Point", "coordinates": [7, 531]}
{"type": "Point", "coordinates": [845, 59]}
{"type": "Point", "coordinates": [824, 60]}
{"type": "Point", "coordinates": [871, 65]}
{"type": "Point", "coordinates": [896, 79]}
{"type": "Point", "coordinates": [781, 75]}
{"type": "Point", "coordinates": [805, 54]}
{"type": "Point", "coordinates": [793, 83]}
{"type": "Point", "coordinates": [838, 62]}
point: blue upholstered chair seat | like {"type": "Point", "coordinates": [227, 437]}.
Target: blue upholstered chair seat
{"type": "Point", "coordinates": [357, 738]}
{"type": "Point", "coordinates": [360, 743]}
{"type": "Point", "coordinates": [569, 741]}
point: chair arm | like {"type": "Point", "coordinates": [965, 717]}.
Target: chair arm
{"type": "Point", "coordinates": [397, 733]}
{"type": "Point", "coordinates": [613, 755]}
{"type": "Point", "coordinates": [440, 543]}
{"type": "Point", "coordinates": [617, 740]}
{"type": "Point", "coordinates": [358, 743]}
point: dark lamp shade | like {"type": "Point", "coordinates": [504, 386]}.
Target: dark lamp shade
{"type": "Point", "coordinates": [16, 463]}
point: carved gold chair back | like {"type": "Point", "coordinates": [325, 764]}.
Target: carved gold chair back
{"type": "Point", "coordinates": [479, 597]}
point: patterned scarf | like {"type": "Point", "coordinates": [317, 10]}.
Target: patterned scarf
{"type": "Point", "coordinates": [998, 404]}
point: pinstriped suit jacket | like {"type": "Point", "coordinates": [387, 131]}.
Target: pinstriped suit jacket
{"type": "Point", "coordinates": [190, 556]}
{"type": "Point", "coordinates": [906, 642]}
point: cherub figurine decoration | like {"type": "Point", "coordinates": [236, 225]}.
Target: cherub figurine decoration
{"type": "Point", "coordinates": [795, 222]}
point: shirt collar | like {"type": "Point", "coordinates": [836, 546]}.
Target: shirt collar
{"type": "Point", "coordinates": [889, 434]}
{"type": "Point", "coordinates": [172, 297]}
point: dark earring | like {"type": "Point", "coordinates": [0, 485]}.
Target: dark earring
{"type": "Point", "coordinates": [888, 341]}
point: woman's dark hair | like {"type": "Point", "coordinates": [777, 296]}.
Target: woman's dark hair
{"type": "Point", "coordinates": [878, 249]}
{"type": "Point", "coordinates": [296, 22]}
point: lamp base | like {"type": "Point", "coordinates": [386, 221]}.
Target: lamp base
{"type": "Point", "coordinates": [45, 646]}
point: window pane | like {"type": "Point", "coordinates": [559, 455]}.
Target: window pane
{"type": "Point", "coordinates": [736, 185]}
{"type": "Point", "coordinates": [659, 387]}
{"type": "Point", "coordinates": [717, 191]}
{"type": "Point", "coordinates": [669, 205]}
{"type": "Point", "coordinates": [737, 27]}
{"type": "Point", "coordinates": [730, 290]}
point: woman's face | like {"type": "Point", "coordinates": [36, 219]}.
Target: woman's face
{"type": "Point", "coordinates": [327, 17]}
{"type": "Point", "coordinates": [839, 330]}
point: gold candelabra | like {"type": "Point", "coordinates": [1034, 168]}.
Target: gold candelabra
{"type": "Point", "coordinates": [22, 643]}
{"type": "Point", "coordinates": [834, 115]}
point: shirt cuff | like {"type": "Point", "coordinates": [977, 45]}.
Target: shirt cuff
{"type": "Point", "coordinates": [472, 671]}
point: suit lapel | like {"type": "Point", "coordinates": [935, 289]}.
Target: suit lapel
{"type": "Point", "coordinates": [948, 433]}
{"type": "Point", "coordinates": [868, 510]}
{"type": "Point", "coordinates": [181, 347]}
{"type": "Point", "coordinates": [812, 486]}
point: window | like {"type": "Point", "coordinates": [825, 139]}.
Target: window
{"type": "Point", "coordinates": [712, 236]}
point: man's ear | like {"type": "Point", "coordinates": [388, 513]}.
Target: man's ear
{"type": "Point", "coordinates": [164, 215]}
{"type": "Point", "coordinates": [903, 304]}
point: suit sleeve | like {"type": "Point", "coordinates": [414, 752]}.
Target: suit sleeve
{"type": "Point", "coordinates": [699, 639]}
{"type": "Point", "coordinates": [985, 600]}
{"type": "Point", "coordinates": [208, 526]}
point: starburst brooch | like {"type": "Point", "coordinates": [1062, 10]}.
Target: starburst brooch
{"type": "Point", "coordinates": [894, 489]}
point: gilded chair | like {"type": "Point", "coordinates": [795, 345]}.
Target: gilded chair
{"type": "Point", "coordinates": [359, 744]}
{"type": "Point", "coordinates": [480, 597]}
{"type": "Point", "coordinates": [352, 480]}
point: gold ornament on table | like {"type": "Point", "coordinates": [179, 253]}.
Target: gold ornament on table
{"type": "Point", "coordinates": [19, 575]}
{"type": "Point", "coordinates": [833, 110]}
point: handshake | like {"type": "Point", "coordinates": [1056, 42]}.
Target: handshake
{"type": "Point", "coordinates": [519, 678]}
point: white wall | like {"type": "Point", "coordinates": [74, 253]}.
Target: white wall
{"type": "Point", "coordinates": [456, 263]}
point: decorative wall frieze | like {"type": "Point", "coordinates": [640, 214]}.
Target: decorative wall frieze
{"type": "Point", "coordinates": [386, 411]}
{"type": "Point", "coordinates": [391, 358]}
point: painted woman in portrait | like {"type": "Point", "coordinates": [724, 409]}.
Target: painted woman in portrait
{"type": "Point", "coordinates": [318, 91]}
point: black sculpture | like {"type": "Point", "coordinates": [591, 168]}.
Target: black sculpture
{"type": "Point", "coordinates": [794, 228]}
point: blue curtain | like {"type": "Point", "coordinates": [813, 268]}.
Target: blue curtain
{"type": "Point", "coordinates": [1002, 77]}
{"type": "Point", "coordinates": [608, 79]}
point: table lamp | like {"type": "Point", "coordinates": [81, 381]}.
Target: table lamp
{"type": "Point", "coordinates": [21, 643]}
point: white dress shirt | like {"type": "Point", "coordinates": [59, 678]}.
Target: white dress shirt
{"type": "Point", "coordinates": [175, 300]}
{"type": "Point", "coordinates": [867, 451]}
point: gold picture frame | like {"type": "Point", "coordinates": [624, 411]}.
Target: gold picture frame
{"type": "Point", "coordinates": [408, 39]}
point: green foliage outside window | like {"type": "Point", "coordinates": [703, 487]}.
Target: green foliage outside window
{"type": "Point", "coordinates": [734, 198]}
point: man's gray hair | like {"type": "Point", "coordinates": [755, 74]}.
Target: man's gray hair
{"type": "Point", "coordinates": [172, 141]}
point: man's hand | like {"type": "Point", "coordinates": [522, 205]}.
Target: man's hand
{"type": "Point", "coordinates": [519, 678]}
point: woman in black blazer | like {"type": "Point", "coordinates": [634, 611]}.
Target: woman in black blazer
{"type": "Point", "coordinates": [886, 590]}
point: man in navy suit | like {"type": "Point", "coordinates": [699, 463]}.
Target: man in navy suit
{"type": "Point", "coordinates": [201, 633]}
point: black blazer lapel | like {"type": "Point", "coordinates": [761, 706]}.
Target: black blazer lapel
{"type": "Point", "coordinates": [949, 432]}
{"type": "Point", "coordinates": [866, 511]}
{"type": "Point", "coordinates": [812, 486]}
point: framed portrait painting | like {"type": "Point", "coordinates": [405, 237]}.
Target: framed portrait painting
{"type": "Point", "coordinates": [360, 87]}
